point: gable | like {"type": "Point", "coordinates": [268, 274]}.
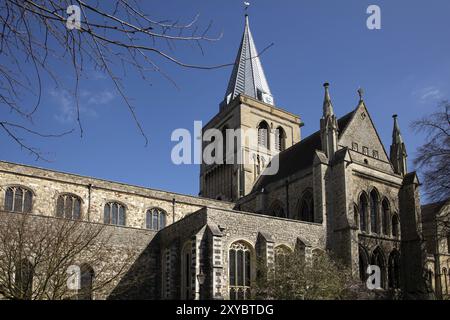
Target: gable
{"type": "Point", "coordinates": [361, 131]}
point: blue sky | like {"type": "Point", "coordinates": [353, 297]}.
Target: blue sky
{"type": "Point", "coordinates": [404, 69]}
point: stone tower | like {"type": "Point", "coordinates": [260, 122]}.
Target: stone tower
{"type": "Point", "coordinates": [252, 129]}
{"type": "Point", "coordinates": [398, 150]}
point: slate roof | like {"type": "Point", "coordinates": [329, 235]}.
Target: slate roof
{"type": "Point", "coordinates": [248, 75]}
{"type": "Point", "coordinates": [299, 156]}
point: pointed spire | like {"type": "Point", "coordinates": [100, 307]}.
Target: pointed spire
{"type": "Point", "coordinates": [328, 125]}
{"type": "Point", "coordinates": [248, 75]}
{"type": "Point", "coordinates": [398, 150]}
{"type": "Point", "coordinates": [327, 105]}
{"type": "Point", "coordinates": [396, 135]}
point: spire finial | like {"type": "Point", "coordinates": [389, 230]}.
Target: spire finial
{"type": "Point", "coordinates": [327, 105]}
{"type": "Point", "coordinates": [360, 93]}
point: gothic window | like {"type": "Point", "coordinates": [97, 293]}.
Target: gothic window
{"type": "Point", "coordinates": [155, 219]}
{"type": "Point", "coordinates": [114, 214]}
{"type": "Point", "coordinates": [68, 206]}
{"type": "Point", "coordinates": [385, 216]}
{"type": "Point", "coordinates": [23, 279]}
{"type": "Point", "coordinates": [375, 154]}
{"type": "Point", "coordinates": [374, 212]}
{"type": "Point", "coordinates": [394, 270]}
{"type": "Point", "coordinates": [86, 282]}
{"type": "Point", "coordinates": [378, 260]}
{"type": "Point", "coordinates": [363, 212]}
{"type": "Point", "coordinates": [240, 271]}
{"type": "Point", "coordinates": [280, 139]}
{"type": "Point", "coordinates": [363, 263]}
{"type": "Point", "coordinates": [355, 146]}
{"type": "Point", "coordinates": [18, 199]}
{"type": "Point", "coordinates": [277, 210]}
{"type": "Point", "coordinates": [395, 226]}
{"type": "Point", "coordinates": [263, 135]}
{"type": "Point", "coordinates": [307, 207]}
{"type": "Point", "coordinates": [365, 151]}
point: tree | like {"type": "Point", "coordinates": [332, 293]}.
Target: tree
{"type": "Point", "coordinates": [294, 278]}
{"type": "Point", "coordinates": [40, 256]}
{"type": "Point", "coordinates": [113, 37]}
{"type": "Point", "coordinates": [433, 157]}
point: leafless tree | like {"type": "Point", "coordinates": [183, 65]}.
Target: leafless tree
{"type": "Point", "coordinates": [115, 37]}
{"type": "Point", "coordinates": [433, 157]}
{"type": "Point", "coordinates": [294, 278]}
{"type": "Point", "coordinates": [40, 255]}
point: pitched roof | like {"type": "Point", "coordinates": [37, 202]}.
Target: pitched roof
{"type": "Point", "coordinates": [248, 75]}
{"type": "Point", "coordinates": [299, 156]}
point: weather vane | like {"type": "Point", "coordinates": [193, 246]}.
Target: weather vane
{"type": "Point", "coordinates": [246, 4]}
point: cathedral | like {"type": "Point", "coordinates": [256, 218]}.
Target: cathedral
{"type": "Point", "coordinates": [338, 190]}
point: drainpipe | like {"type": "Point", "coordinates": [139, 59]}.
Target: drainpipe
{"type": "Point", "coordinates": [89, 201]}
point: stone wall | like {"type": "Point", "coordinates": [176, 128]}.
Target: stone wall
{"type": "Point", "coordinates": [47, 185]}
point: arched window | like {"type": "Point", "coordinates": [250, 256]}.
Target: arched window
{"type": "Point", "coordinates": [240, 270]}
{"type": "Point", "coordinates": [307, 207]}
{"type": "Point", "coordinates": [18, 199]}
{"type": "Point", "coordinates": [395, 226]}
{"type": "Point", "coordinates": [156, 219]}
{"type": "Point", "coordinates": [114, 214]}
{"type": "Point", "coordinates": [394, 270]}
{"type": "Point", "coordinates": [378, 260]}
{"type": "Point", "coordinates": [277, 210]}
{"type": "Point", "coordinates": [363, 212]}
{"type": "Point", "coordinates": [86, 282]}
{"type": "Point", "coordinates": [24, 279]}
{"type": "Point", "coordinates": [363, 263]}
{"type": "Point", "coordinates": [374, 225]}
{"type": "Point", "coordinates": [386, 216]}
{"type": "Point", "coordinates": [280, 139]}
{"type": "Point", "coordinates": [263, 134]}
{"type": "Point", "coordinates": [68, 206]}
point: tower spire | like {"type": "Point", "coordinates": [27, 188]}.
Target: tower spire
{"type": "Point", "coordinates": [327, 105]}
{"type": "Point", "coordinates": [398, 150]}
{"type": "Point", "coordinates": [328, 125]}
{"type": "Point", "coordinates": [248, 76]}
